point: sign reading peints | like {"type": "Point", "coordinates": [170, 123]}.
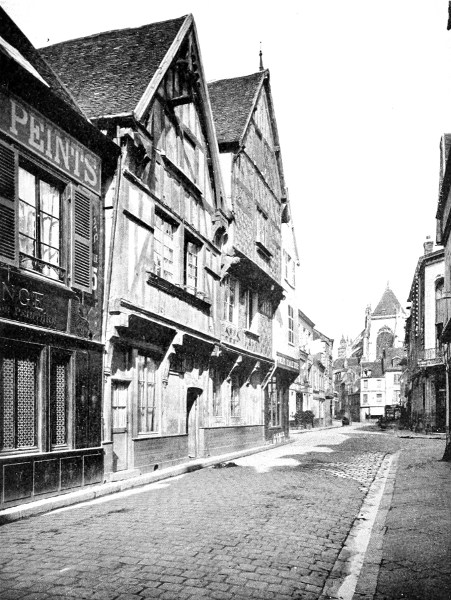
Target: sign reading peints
{"type": "Point", "coordinates": [48, 141]}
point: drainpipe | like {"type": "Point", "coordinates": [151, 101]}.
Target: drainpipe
{"type": "Point", "coordinates": [107, 415]}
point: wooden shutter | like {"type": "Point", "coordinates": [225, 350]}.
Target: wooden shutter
{"type": "Point", "coordinates": [8, 213]}
{"type": "Point", "coordinates": [82, 240]}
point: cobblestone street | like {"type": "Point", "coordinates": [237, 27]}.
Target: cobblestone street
{"type": "Point", "coordinates": [270, 527]}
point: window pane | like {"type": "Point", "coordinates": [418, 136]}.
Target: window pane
{"type": "Point", "coordinates": [50, 231]}
{"type": "Point", "coordinates": [50, 199]}
{"type": "Point", "coordinates": [27, 187]}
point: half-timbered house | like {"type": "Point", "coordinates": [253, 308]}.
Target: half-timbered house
{"type": "Point", "coordinates": [166, 223]}
{"type": "Point", "coordinates": [249, 381]}
{"type": "Point", "coordinates": [54, 169]}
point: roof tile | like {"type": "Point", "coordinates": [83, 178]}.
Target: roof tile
{"type": "Point", "coordinates": [231, 102]}
{"type": "Point", "coordinates": [109, 72]}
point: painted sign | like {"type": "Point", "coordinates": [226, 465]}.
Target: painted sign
{"type": "Point", "coordinates": [31, 301]}
{"type": "Point", "coordinates": [42, 137]}
{"type": "Point", "coordinates": [287, 362]}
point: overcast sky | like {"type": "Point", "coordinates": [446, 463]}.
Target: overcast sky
{"type": "Point", "coordinates": [362, 93]}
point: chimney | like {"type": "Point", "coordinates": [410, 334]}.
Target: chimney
{"type": "Point", "coordinates": [428, 245]}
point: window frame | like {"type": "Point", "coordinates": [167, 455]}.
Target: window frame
{"type": "Point", "coordinates": [145, 361]}
{"type": "Point", "coordinates": [161, 271]}
{"type": "Point", "coordinates": [290, 324]}
{"type": "Point", "coordinates": [41, 176]}
{"type": "Point", "coordinates": [230, 309]}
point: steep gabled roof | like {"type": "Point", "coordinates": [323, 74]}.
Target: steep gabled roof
{"type": "Point", "coordinates": [388, 304]}
{"type": "Point", "coordinates": [232, 102]}
{"type": "Point", "coordinates": [109, 72]}
{"type": "Point", "coordinates": [28, 58]}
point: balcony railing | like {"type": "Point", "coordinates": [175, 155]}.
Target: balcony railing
{"type": "Point", "coordinates": [430, 356]}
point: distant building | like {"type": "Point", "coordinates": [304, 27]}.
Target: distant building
{"type": "Point", "coordinates": [322, 378]}
{"type": "Point", "coordinates": [347, 387]}
{"type": "Point", "coordinates": [444, 238]}
{"type": "Point", "coordinates": [425, 376]}
{"type": "Point", "coordinates": [382, 352]}
{"type": "Point", "coordinates": [303, 399]}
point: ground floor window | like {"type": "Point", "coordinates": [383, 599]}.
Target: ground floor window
{"type": "Point", "coordinates": [18, 398]}
{"type": "Point", "coordinates": [147, 400]}
{"type": "Point", "coordinates": [235, 396]}
{"type": "Point", "coordinates": [49, 397]}
{"type": "Point", "coordinates": [274, 398]}
{"type": "Point", "coordinates": [217, 398]}
{"type": "Point", "coordinates": [59, 397]}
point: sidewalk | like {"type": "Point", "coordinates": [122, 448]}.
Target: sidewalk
{"type": "Point", "coordinates": [409, 552]}
{"type": "Point", "coordinates": [92, 492]}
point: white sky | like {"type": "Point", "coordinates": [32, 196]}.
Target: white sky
{"type": "Point", "coordinates": [362, 93]}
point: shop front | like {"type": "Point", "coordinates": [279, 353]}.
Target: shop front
{"type": "Point", "coordinates": [50, 307]}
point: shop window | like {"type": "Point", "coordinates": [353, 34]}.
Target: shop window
{"type": "Point", "coordinates": [217, 393]}
{"type": "Point", "coordinates": [147, 400]}
{"type": "Point", "coordinates": [18, 397]}
{"type": "Point", "coordinates": [235, 396]}
{"type": "Point", "coordinates": [59, 398]}
{"type": "Point", "coordinates": [230, 308]}
{"type": "Point", "coordinates": [274, 399]}
{"type": "Point", "coordinates": [163, 251]}
{"type": "Point", "coordinates": [290, 325]}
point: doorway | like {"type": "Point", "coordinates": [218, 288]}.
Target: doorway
{"type": "Point", "coordinates": [192, 424]}
{"type": "Point", "coordinates": [120, 424]}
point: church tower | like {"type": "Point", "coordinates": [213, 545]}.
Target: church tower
{"type": "Point", "coordinates": [385, 328]}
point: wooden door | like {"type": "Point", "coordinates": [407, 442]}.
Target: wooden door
{"type": "Point", "coordinates": [120, 424]}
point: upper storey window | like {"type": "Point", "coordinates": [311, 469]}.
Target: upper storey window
{"type": "Point", "coordinates": [289, 268]}
{"type": "Point", "coordinates": [39, 224]}
{"type": "Point", "coordinates": [36, 206]}
{"type": "Point", "coordinates": [164, 248]}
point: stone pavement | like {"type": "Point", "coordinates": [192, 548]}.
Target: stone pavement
{"type": "Point", "coordinates": [270, 527]}
{"type": "Point", "coordinates": [274, 526]}
{"type": "Point", "coordinates": [98, 491]}
{"type": "Point", "coordinates": [409, 554]}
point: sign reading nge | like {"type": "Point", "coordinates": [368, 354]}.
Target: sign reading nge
{"type": "Point", "coordinates": [42, 137]}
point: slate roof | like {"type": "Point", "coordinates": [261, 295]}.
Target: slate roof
{"type": "Point", "coordinates": [109, 72]}
{"type": "Point", "coordinates": [389, 355]}
{"type": "Point", "coordinates": [388, 304]}
{"type": "Point", "coordinates": [375, 367]}
{"type": "Point", "coordinates": [232, 101]}
{"type": "Point", "coordinates": [14, 36]}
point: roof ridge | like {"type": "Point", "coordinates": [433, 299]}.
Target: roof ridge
{"type": "Point", "coordinates": [122, 30]}
{"type": "Point", "coordinates": [264, 72]}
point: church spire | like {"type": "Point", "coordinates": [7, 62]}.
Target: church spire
{"type": "Point", "coordinates": [261, 58]}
